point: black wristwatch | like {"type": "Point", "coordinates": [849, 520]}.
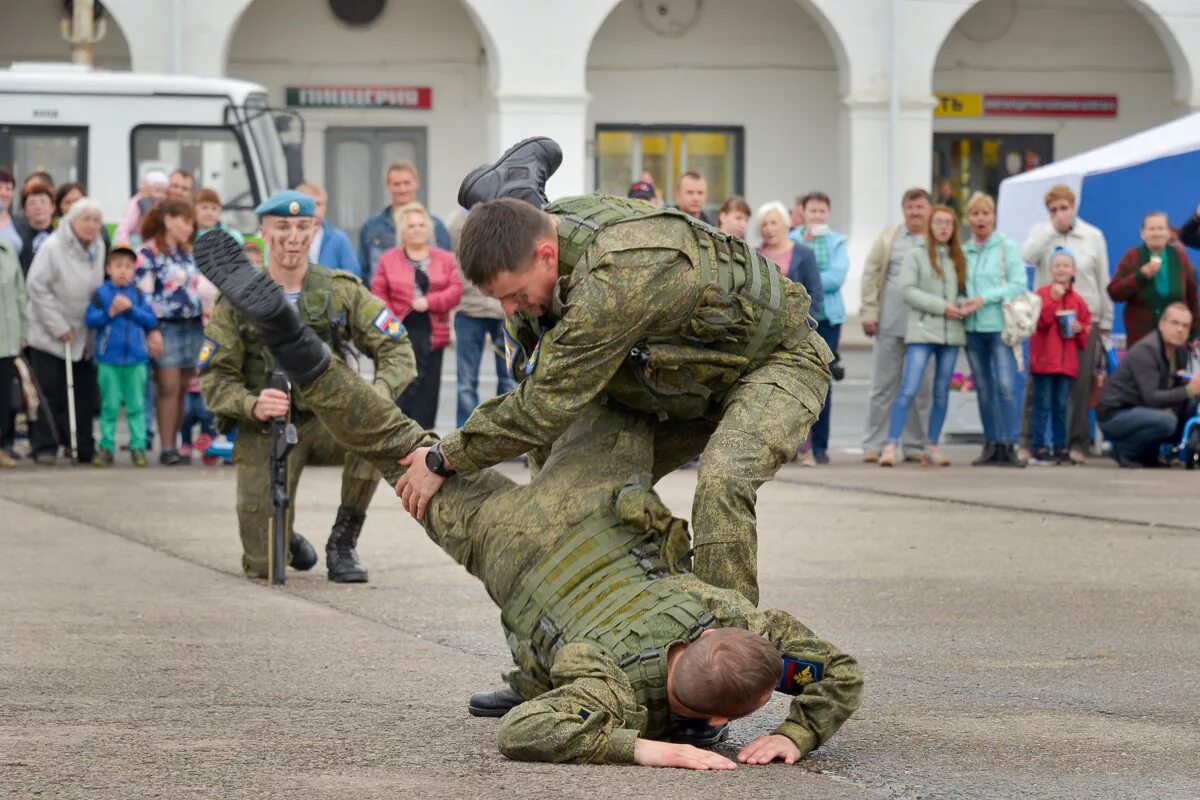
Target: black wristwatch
{"type": "Point", "coordinates": [435, 462]}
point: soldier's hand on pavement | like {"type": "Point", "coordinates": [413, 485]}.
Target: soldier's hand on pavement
{"type": "Point", "coordinates": [120, 305]}
{"type": "Point", "coordinates": [270, 403]}
{"type": "Point", "coordinates": [649, 753]}
{"type": "Point", "coordinates": [418, 485]}
{"type": "Point", "coordinates": [766, 749]}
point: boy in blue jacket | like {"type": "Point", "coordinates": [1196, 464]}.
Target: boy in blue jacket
{"type": "Point", "coordinates": [120, 315]}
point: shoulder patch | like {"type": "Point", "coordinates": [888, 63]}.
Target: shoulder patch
{"type": "Point", "coordinates": [798, 673]}
{"type": "Point", "coordinates": [207, 350]}
{"type": "Point", "coordinates": [387, 323]}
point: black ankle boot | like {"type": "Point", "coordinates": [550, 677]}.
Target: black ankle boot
{"type": "Point", "coordinates": [988, 456]}
{"type": "Point", "coordinates": [298, 350]}
{"type": "Point", "coordinates": [495, 703]}
{"type": "Point", "coordinates": [520, 173]}
{"type": "Point", "coordinates": [340, 556]}
{"type": "Point", "coordinates": [304, 556]}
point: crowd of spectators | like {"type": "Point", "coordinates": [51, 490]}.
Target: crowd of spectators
{"type": "Point", "coordinates": [945, 296]}
{"type": "Point", "coordinates": [127, 313]}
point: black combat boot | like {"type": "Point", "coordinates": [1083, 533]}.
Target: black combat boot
{"type": "Point", "coordinates": [520, 173]}
{"type": "Point", "coordinates": [304, 555]}
{"type": "Point", "coordinates": [495, 703]}
{"type": "Point", "coordinates": [340, 556]}
{"type": "Point", "coordinates": [298, 350]}
{"type": "Point", "coordinates": [988, 456]}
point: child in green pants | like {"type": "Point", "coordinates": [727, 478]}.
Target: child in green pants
{"type": "Point", "coordinates": [120, 315]}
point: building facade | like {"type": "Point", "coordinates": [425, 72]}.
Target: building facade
{"type": "Point", "coordinates": [767, 98]}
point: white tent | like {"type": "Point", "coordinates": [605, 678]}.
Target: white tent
{"type": "Point", "coordinates": [1021, 206]}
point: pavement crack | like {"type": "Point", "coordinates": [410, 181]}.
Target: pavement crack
{"type": "Point", "coordinates": [959, 501]}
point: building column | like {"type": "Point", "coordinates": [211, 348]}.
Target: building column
{"type": "Point", "coordinates": [865, 162]}
{"type": "Point", "coordinates": [561, 117]}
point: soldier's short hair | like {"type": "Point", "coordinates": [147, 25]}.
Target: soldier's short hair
{"type": "Point", "coordinates": [499, 236]}
{"type": "Point", "coordinates": [727, 673]}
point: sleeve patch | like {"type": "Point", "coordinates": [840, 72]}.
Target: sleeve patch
{"type": "Point", "coordinates": [387, 324]}
{"type": "Point", "coordinates": [207, 351]}
{"type": "Point", "coordinates": [798, 673]}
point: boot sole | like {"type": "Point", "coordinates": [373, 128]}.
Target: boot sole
{"type": "Point", "coordinates": [348, 578]}
{"type": "Point", "coordinates": [554, 151]}
{"type": "Point", "coordinates": [252, 291]}
{"type": "Point", "coordinates": [494, 713]}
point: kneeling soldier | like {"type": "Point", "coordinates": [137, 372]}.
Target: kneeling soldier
{"type": "Point", "coordinates": [235, 376]}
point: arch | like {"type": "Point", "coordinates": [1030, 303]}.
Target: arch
{"type": "Point", "coordinates": [938, 27]}
{"type": "Point", "coordinates": [31, 33]}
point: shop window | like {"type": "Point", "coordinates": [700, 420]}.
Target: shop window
{"type": "Point", "coordinates": [965, 163]}
{"type": "Point", "coordinates": [625, 152]}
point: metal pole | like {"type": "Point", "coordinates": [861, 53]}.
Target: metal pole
{"type": "Point", "coordinates": [82, 31]}
{"type": "Point", "coordinates": [71, 398]}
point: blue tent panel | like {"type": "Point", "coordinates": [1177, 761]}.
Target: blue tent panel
{"type": "Point", "coordinates": [1116, 201]}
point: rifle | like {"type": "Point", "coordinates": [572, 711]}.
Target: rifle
{"type": "Point", "coordinates": [283, 439]}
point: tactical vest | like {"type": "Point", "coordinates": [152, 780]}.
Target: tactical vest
{"type": "Point", "coordinates": [736, 325]}
{"type": "Point", "coordinates": [602, 585]}
{"type": "Point", "coordinates": [319, 307]}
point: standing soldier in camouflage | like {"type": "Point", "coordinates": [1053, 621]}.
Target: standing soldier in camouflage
{"type": "Point", "coordinates": [613, 643]}
{"type": "Point", "coordinates": [615, 300]}
{"type": "Point", "coordinates": [235, 377]}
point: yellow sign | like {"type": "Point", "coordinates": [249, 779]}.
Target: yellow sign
{"type": "Point", "coordinates": [959, 105]}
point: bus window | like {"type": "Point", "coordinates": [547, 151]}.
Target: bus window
{"type": "Point", "coordinates": [215, 156]}
{"type": "Point", "coordinates": [260, 119]}
{"type": "Point", "coordinates": [31, 148]}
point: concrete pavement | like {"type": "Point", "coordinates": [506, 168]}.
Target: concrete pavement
{"type": "Point", "coordinates": [1021, 632]}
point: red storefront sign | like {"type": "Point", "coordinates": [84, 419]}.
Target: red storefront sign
{"type": "Point", "coordinates": [1050, 105]}
{"type": "Point", "coordinates": [418, 97]}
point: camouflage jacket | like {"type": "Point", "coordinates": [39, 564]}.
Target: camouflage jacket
{"type": "Point", "coordinates": [591, 715]}
{"type": "Point", "coordinates": [235, 366]}
{"type": "Point", "coordinates": [640, 280]}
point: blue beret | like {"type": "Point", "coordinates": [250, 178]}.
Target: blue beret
{"type": "Point", "coordinates": [288, 203]}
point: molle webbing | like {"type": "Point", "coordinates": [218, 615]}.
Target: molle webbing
{"type": "Point", "coordinates": [725, 261]}
{"type": "Point", "coordinates": [602, 585]}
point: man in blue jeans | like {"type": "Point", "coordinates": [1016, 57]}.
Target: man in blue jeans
{"type": "Point", "coordinates": [477, 320]}
{"type": "Point", "coordinates": [1150, 396]}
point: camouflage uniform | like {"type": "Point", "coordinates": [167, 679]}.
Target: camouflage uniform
{"type": "Point", "coordinates": [660, 313]}
{"type": "Point", "coordinates": [235, 367]}
{"type": "Point", "coordinates": [584, 702]}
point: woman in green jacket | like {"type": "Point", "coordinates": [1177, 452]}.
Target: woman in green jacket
{"type": "Point", "coordinates": [932, 281]}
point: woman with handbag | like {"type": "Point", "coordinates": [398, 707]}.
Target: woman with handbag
{"type": "Point", "coordinates": [995, 275]}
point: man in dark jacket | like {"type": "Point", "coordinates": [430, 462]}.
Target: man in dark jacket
{"type": "Point", "coordinates": [1146, 400]}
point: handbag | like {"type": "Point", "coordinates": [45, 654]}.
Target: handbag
{"type": "Point", "coordinates": [1020, 316]}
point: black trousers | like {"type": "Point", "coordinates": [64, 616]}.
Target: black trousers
{"type": "Point", "coordinates": [419, 401]}
{"type": "Point", "coordinates": [9, 401]}
{"type": "Point", "coordinates": [51, 374]}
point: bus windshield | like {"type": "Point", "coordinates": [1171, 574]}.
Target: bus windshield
{"type": "Point", "coordinates": [267, 143]}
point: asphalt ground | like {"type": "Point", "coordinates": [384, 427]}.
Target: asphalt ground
{"type": "Point", "coordinates": [1022, 633]}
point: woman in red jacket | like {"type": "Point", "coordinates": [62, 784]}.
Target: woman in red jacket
{"type": "Point", "coordinates": [421, 286]}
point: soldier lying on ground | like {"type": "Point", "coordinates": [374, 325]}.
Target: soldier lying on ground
{"type": "Point", "coordinates": [612, 640]}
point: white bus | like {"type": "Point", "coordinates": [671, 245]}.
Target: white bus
{"type": "Point", "coordinates": [107, 129]}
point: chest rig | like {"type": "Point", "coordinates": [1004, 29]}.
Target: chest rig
{"type": "Point", "coordinates": [737, 322]}
{"type": "Point", "coordinates": [602, 584]}
{"type": "Point", "coordinates": [320, 309]}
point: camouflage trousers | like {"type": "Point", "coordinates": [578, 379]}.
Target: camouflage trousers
{"type": "Point", "coordinates": [493, 526]}
{"type": "Point", "coordinates": [316, 447]}
{"type": "Point", "coordinates": [763, 421]}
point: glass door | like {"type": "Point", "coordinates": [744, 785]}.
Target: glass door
{"type": "Point", "coordinates": [355, 162]}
